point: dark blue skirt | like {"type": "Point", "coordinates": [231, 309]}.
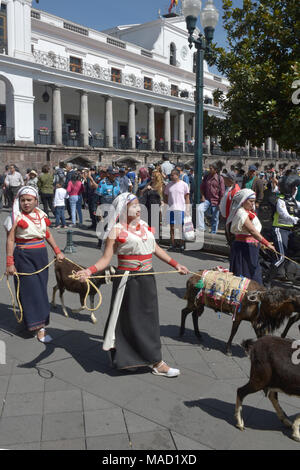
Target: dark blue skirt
{"type": "Point", "coordinates": [33, 289]}
{"type": "Point", "coordinates": [244, 261]}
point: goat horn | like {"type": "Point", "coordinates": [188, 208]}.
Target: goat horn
{"type": "Point", "coordinates": [253, 296]}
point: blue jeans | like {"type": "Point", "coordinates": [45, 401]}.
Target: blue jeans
{"type": "Point", "coordinates": [202, 208]}
{"type": "Point", "coordinates": [60, 216]}
{"type": "Point", "coordinates": [75, 205]}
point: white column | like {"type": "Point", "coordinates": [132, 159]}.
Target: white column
{"type": "Point", "coordinates": [167, 130]}
{"type": "Point", "coordinates": [207, 143]}
{"type": "Point", "coordinates": [269, 146]}
{"type": "Point", "coordinates": [19, 28]}
{"type": "Point", "coordinates": [151, 126]}
{"type": "Point", "coordinates": [193, 126]}
{"type": "Point", "coordinates": [109, 133]}
{"type": "Point", "coordinates": [131, 124]}
{"type": "Point", "coordinates": [56, 115]}
{"type": "Point", "coordinates": [10, 11]}
{"type": "Point", "coordinates": [24, 126]}
{"type": "Point", "coordinates": [84, 117]}
{"type": "Point", "coordinates": [181, 129]}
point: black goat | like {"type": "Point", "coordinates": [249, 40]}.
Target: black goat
{"type": "Point", "coordinates": [274, 368]}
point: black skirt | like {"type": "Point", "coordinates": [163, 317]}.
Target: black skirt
{"type": "Point", "coordinates": [33, 289]}
{"type": "Point", "coordinates": [244, 260]}
{"type": "Point", "coordinates": [137, 332]}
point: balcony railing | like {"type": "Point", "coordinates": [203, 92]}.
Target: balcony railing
{"type": "Point", "coordinates": [72, 139]}
{"type": "Point", "coordinates": [7, 135]}
{"type": "Point", "coordinates": [43, 137]}
{"type": "Point", "coordinates": [102, 73]}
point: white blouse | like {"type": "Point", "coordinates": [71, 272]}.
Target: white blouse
{"type": "Point", "coordinates": [35, 229]}
{"type": "Point", "coordinates": [137, 242]}
{"type": "Point", "coordinates": [239, 220]}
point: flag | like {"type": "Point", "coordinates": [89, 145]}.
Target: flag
{"type": "Point", "coordinates": [173, 2]}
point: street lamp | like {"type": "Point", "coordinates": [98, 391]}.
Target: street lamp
{"type": "Point", "coordinates": [209, 17]}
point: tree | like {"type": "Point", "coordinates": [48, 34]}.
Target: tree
{"type": "Point", "coordinates": [261, 64]}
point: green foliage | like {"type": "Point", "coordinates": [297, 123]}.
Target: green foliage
{"type": "Point", "coordinates": [261, 63]}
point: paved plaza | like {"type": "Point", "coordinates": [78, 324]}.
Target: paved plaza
{"type": "Point", "coordinates": [67, 396]}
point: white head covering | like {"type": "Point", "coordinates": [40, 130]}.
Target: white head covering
{"type": "Point", "coordinates": [25, 190]}
{"type": "Point", "coordinates": [238, 200]}
{"type": "Point", "coordinates": [119, 207]}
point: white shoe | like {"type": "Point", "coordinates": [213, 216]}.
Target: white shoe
{"type": "Point", "coordinates": [171, 372]}
{"type": "Point", "coordinates": [44, 339]}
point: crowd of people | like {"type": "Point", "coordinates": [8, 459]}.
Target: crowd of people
{"type": "Point", "coordinates": [132, 329]}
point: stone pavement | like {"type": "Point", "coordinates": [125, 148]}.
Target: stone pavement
{"type": "Point", "coordinates": [67, 396]}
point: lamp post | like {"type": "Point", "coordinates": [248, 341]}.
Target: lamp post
{"type": "Point", "coordinates": [209, 17]}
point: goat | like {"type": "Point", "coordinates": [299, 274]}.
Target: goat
{"type": "Point", "coordinates": [274, 368]}
{"type": "Point", "coordinates": [265, 309]}
{"type": "Point", "coordinates": [63, 269]}
{"type": "Point", "coordinates": [249, 310]}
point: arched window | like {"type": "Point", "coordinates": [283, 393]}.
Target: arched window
{"type": "Point", "coordinates": [172, 54]}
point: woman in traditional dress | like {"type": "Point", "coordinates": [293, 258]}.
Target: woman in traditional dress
{"type": "Point", "coordinates": [28, 228]}
{"type": "Point", "coordinates": [132, 331]}
{"type": "Point", "coordinates": [246, 227]}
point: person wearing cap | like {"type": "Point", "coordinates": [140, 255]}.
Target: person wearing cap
{"type": "Point", "coordinates": [251, 181]}
{"type": "Point", "coordinates": [124, 182]}
{"type": "Point", "coordinates": [108, 188]}
{"type": "Point", "coordinates": [32, 179]}
{"type": "Point", "coordinates": [231, 188]}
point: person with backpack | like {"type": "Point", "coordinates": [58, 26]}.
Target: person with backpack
{"type": "Point", "coordinates": [286, 216]}
{"type": "Point", "coordinates": [212, 189]}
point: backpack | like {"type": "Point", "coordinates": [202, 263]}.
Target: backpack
{"type": "Point", "coordinates": [267, 209]}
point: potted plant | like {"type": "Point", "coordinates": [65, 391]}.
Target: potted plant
{"type": "Point", "coordinates": [44, 131]}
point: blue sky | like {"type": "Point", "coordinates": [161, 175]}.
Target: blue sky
{"type": "Point", "coordinates": [103, 14]}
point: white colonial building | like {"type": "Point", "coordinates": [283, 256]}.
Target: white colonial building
{"type": "Point", "coordinates": [64, 86]}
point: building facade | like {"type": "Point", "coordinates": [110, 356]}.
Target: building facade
{"type": "Point", "coordinates": [67, 90]}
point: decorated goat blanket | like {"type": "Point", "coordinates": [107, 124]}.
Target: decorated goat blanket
{"type": "Point", "coordinates": [222, 286]}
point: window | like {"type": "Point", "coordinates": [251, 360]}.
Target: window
{"type": "Point", "coordinates": [172, 54]}
{"type": "Point", "coordinates": [147, 83]}
{"type": "Point", "coordinates": [208, 100]}
{"type": "Point", "coordinates": [116, 75]}
{"type": "Point", "coordinates": [3, 30]}
{"type": "Point", "coordinates": [174, 90]}
{"type": "Point", "coordinates": [75, 64]}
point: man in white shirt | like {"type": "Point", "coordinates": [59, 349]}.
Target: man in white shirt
{"type": "Point", "coordinates": [166, 167]}
{"type": "Point", "coordinates": [13, 183]}
{"type": "Point", "coordinates": [59, 204]}
{"type": "Point", "coordinates": [177, 196]}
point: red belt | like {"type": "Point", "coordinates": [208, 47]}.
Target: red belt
{"type": "Point", "coordinates": [246, 239]}
{"type": "Point", "coordinates": [135, 262]}
{"type": "Point", "coordinates": [30, 244]}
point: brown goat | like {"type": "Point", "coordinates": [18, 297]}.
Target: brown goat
{"type": "Point", "coordinates": [265, 309]}
{"type": "Point", "coordinates": [63, 269]}
{"type": "Point", "coordinates": [274, 368]}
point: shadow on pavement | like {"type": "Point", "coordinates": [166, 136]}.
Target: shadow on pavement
{"type": "Point", "coordinates": [254, 418]}
{"type": "Point", "coordinates": [172, 331]}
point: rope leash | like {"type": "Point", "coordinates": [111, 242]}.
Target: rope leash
{"type": "Point", "coordinates": [88, 281]}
